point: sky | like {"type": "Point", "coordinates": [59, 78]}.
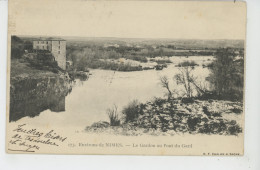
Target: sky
{"type": "Point", "coordinates": [128, 19]}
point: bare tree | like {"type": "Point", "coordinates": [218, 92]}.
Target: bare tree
{"type": "Point", "coordinates": [185, 78]}
{"type": "Point", "coordinates": [189, 81]}
{"type": "Point", "coordinates": [200, 88]}
{"type": "Point", "coordinates": [165, 83]}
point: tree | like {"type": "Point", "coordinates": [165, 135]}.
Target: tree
{"type": "Point", "coordinates": [185, 78]}
{"type": "Point", "coordinates": [17, 47]}
{"type": "Point", "coordinates": [165, 83]}
{"type": "Point", "coordinates": [227, 75]}
{"type": "Point", "coordinates": [190, 83]}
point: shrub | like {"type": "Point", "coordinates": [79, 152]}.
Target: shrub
{"type": "Point", "coordinates": [131, 111]}
{"type": "Point", "coordinates": [138, 58]}
{"type": "Point", "coordinates": [187, 64]}
{"type": "Point", "coordinates": [113, 116]}
{"type": "Point", "coordinates": [207, 65]}
{"type": "Point", "coordinates": [234, 129]}
{"type": "Point", "coordinates": [159, 101]}
{"type": "Point", "coordinates": [128, 67]}
{"type": "Point", "coordinates": [163, 61]}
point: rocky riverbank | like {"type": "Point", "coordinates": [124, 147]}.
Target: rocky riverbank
{"type": "Point", "coordinates": [163, 117]}
{"type": "Point", "coordinates": [33, 90]}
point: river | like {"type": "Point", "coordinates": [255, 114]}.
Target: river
{"type": "Point", "coordinates": [89, 100]}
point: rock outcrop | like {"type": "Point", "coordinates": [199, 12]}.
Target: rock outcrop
{"type": "Point", "coordinates": [163, 117]}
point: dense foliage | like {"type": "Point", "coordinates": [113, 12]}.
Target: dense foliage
{"type": "Point", "coordinates": [44, 61]}
{"type": "Point", "coordinates": [18, 47]}
{"type": "Point", "coordinates": [87, 56]}
{"type": "Point", "coordinates": [227, 74]}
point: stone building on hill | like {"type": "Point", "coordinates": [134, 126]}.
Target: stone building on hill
{"type": "Point", "coordinates": [56, 46]}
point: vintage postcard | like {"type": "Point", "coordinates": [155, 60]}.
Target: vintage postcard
{"type": "Point", "coordinates": [126, 77]}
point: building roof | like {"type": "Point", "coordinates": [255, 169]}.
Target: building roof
{"type": "Point", "coordinates": [48, 39]}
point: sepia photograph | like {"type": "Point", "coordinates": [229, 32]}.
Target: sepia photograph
{"type": "Point", "coordinates": [111, 77]}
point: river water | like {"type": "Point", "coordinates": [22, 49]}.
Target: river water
{"type": "Point", "coordinates": [89, 100]}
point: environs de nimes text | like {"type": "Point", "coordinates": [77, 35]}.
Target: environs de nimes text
{"type": "Point", "coordinates": [134, 145]}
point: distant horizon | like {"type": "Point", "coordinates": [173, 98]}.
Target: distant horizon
{"type": "Point", "coordinates": [81, 37]}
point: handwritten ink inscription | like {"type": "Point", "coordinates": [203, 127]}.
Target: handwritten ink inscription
{"type": "Point", "coordinates": [30, 139]}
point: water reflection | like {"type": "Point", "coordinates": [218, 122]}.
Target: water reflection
{"type": "Point", "coordinates": [32, 96]}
